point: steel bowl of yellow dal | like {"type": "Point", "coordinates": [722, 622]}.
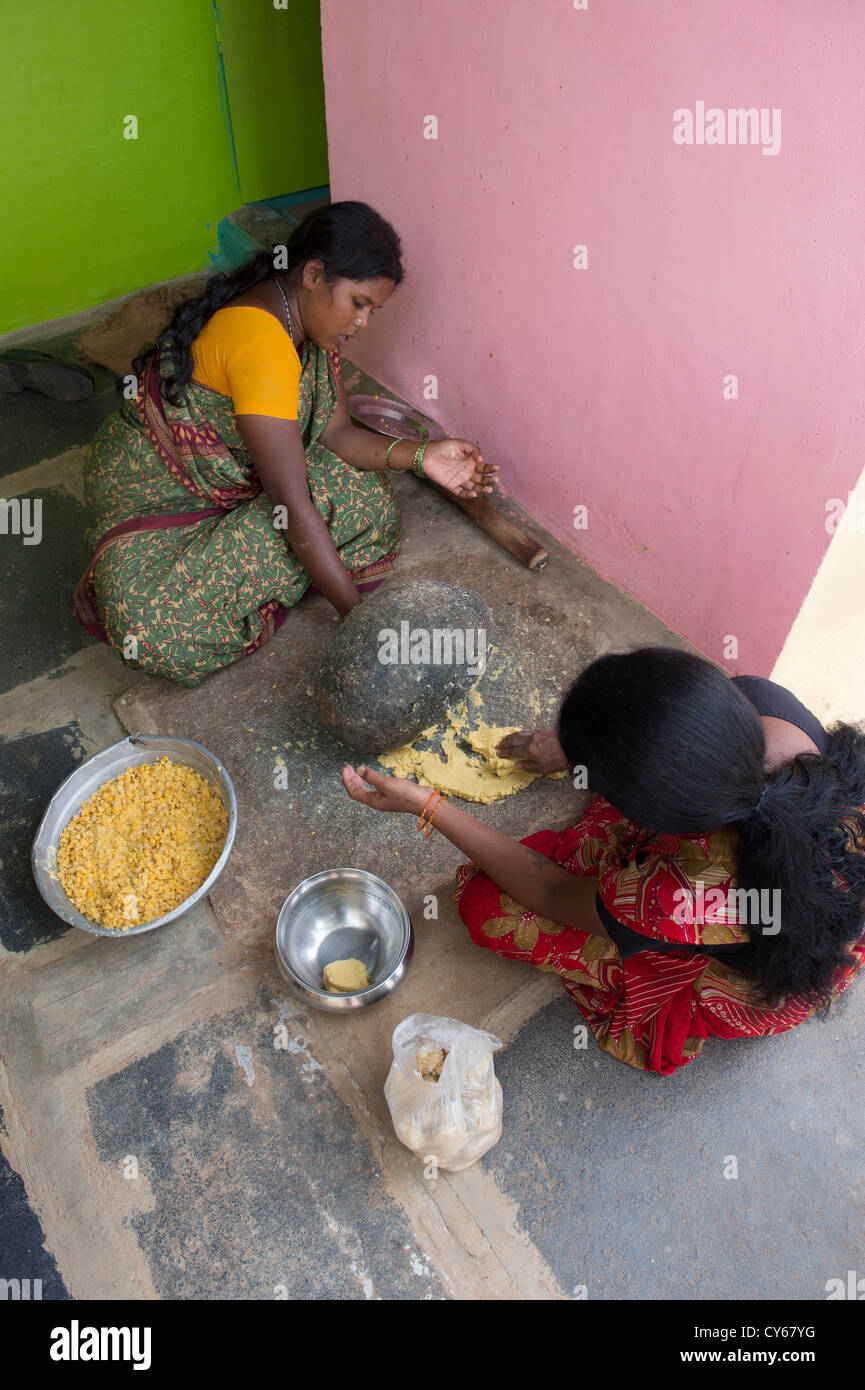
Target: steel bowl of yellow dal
{"type": "Point", "coordinates": [347, 918]}
{"type": "Point", "coordinates": [136, 836]}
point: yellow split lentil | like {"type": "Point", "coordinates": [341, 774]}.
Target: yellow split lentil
{"type": "Point", "coordinates": [142, 844]}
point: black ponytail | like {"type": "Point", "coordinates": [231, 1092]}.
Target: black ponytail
{"type": "Point", "coordinates": [668, 739]}
{"type": "Point", "coordinates": [352, 241]}
{"type": "Point", "coordinates": [808, 840]}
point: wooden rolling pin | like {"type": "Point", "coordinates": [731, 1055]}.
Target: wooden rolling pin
{"type": "Point", "coordinates": [521, 545]}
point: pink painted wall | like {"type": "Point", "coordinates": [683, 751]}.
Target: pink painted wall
{"type": "Point", "coordinates": [604, 386]}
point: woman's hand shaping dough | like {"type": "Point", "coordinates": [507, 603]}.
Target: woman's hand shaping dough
{"type": "Point", "coordinates": [536, 752]}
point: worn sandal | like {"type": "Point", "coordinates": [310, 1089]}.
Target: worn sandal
{"type": "Point", "coordinates": [25, 369]}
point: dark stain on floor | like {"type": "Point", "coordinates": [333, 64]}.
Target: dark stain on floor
{"type": "Point", "coordinates": [259, 1188]}
{"type": "Point", "coordinates": [36, 586]}
{"type": "Point", "coordinates": [31, 770]}
{"type": "Point", "coordinates": [23, 1255]}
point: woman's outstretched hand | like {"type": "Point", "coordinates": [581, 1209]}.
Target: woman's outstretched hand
{"type": "Point", "coordinates": [384, 793]}
{"type": "Point", "coordinates": [536, 752]}
{"type": "Point", "coordinates": [457, 465]}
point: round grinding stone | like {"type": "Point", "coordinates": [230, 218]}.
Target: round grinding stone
{"type": "Point", "coordinates": [399, 660]}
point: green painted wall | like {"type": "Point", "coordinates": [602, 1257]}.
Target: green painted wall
{"type": "Point", "coordinates": [273, 71]}
{"type": "Point", "coordinates": [88, 214]}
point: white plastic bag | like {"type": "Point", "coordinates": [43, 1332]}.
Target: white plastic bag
{"type": "Point", "coordinates": [454, 1120]}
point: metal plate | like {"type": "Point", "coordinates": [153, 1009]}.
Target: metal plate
{"type": "Point", "coordinates": [385, 416]}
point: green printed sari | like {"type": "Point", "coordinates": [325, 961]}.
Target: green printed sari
{"type": "Point", "coordinates": [189, 572]}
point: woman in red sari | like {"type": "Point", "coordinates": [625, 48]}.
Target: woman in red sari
{"type": "Point", "coordinates": [715, 885]}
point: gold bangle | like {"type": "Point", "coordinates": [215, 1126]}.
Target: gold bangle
{"type": "Point", "coordinates": [387, 462]}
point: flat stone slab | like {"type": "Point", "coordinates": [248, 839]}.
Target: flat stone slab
{"type": "Point", "coordinates": [294, 816]}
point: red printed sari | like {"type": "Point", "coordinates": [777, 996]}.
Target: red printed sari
{"type": "Point", "coordinates": [652, 1010]}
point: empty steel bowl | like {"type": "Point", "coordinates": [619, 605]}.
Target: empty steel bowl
{"type": "Point", "coordinates": [336, 914]}
{"type": "Point", "coordinates": [81, 784]}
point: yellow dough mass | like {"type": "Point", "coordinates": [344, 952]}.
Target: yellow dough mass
{"type": "Point", "coordinates": [484, 778]}
{"type": "Point", "coordinates": [346, 976]}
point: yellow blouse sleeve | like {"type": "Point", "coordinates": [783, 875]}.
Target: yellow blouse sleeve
{"type": "Point", "coordinates": [246, 354]}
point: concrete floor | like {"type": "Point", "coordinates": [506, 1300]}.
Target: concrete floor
{"type": "Point", "coordinates": [265, 1172]}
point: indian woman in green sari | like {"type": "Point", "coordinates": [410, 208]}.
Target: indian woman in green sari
{"type": "Point", "coordinates": [235, 480]}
